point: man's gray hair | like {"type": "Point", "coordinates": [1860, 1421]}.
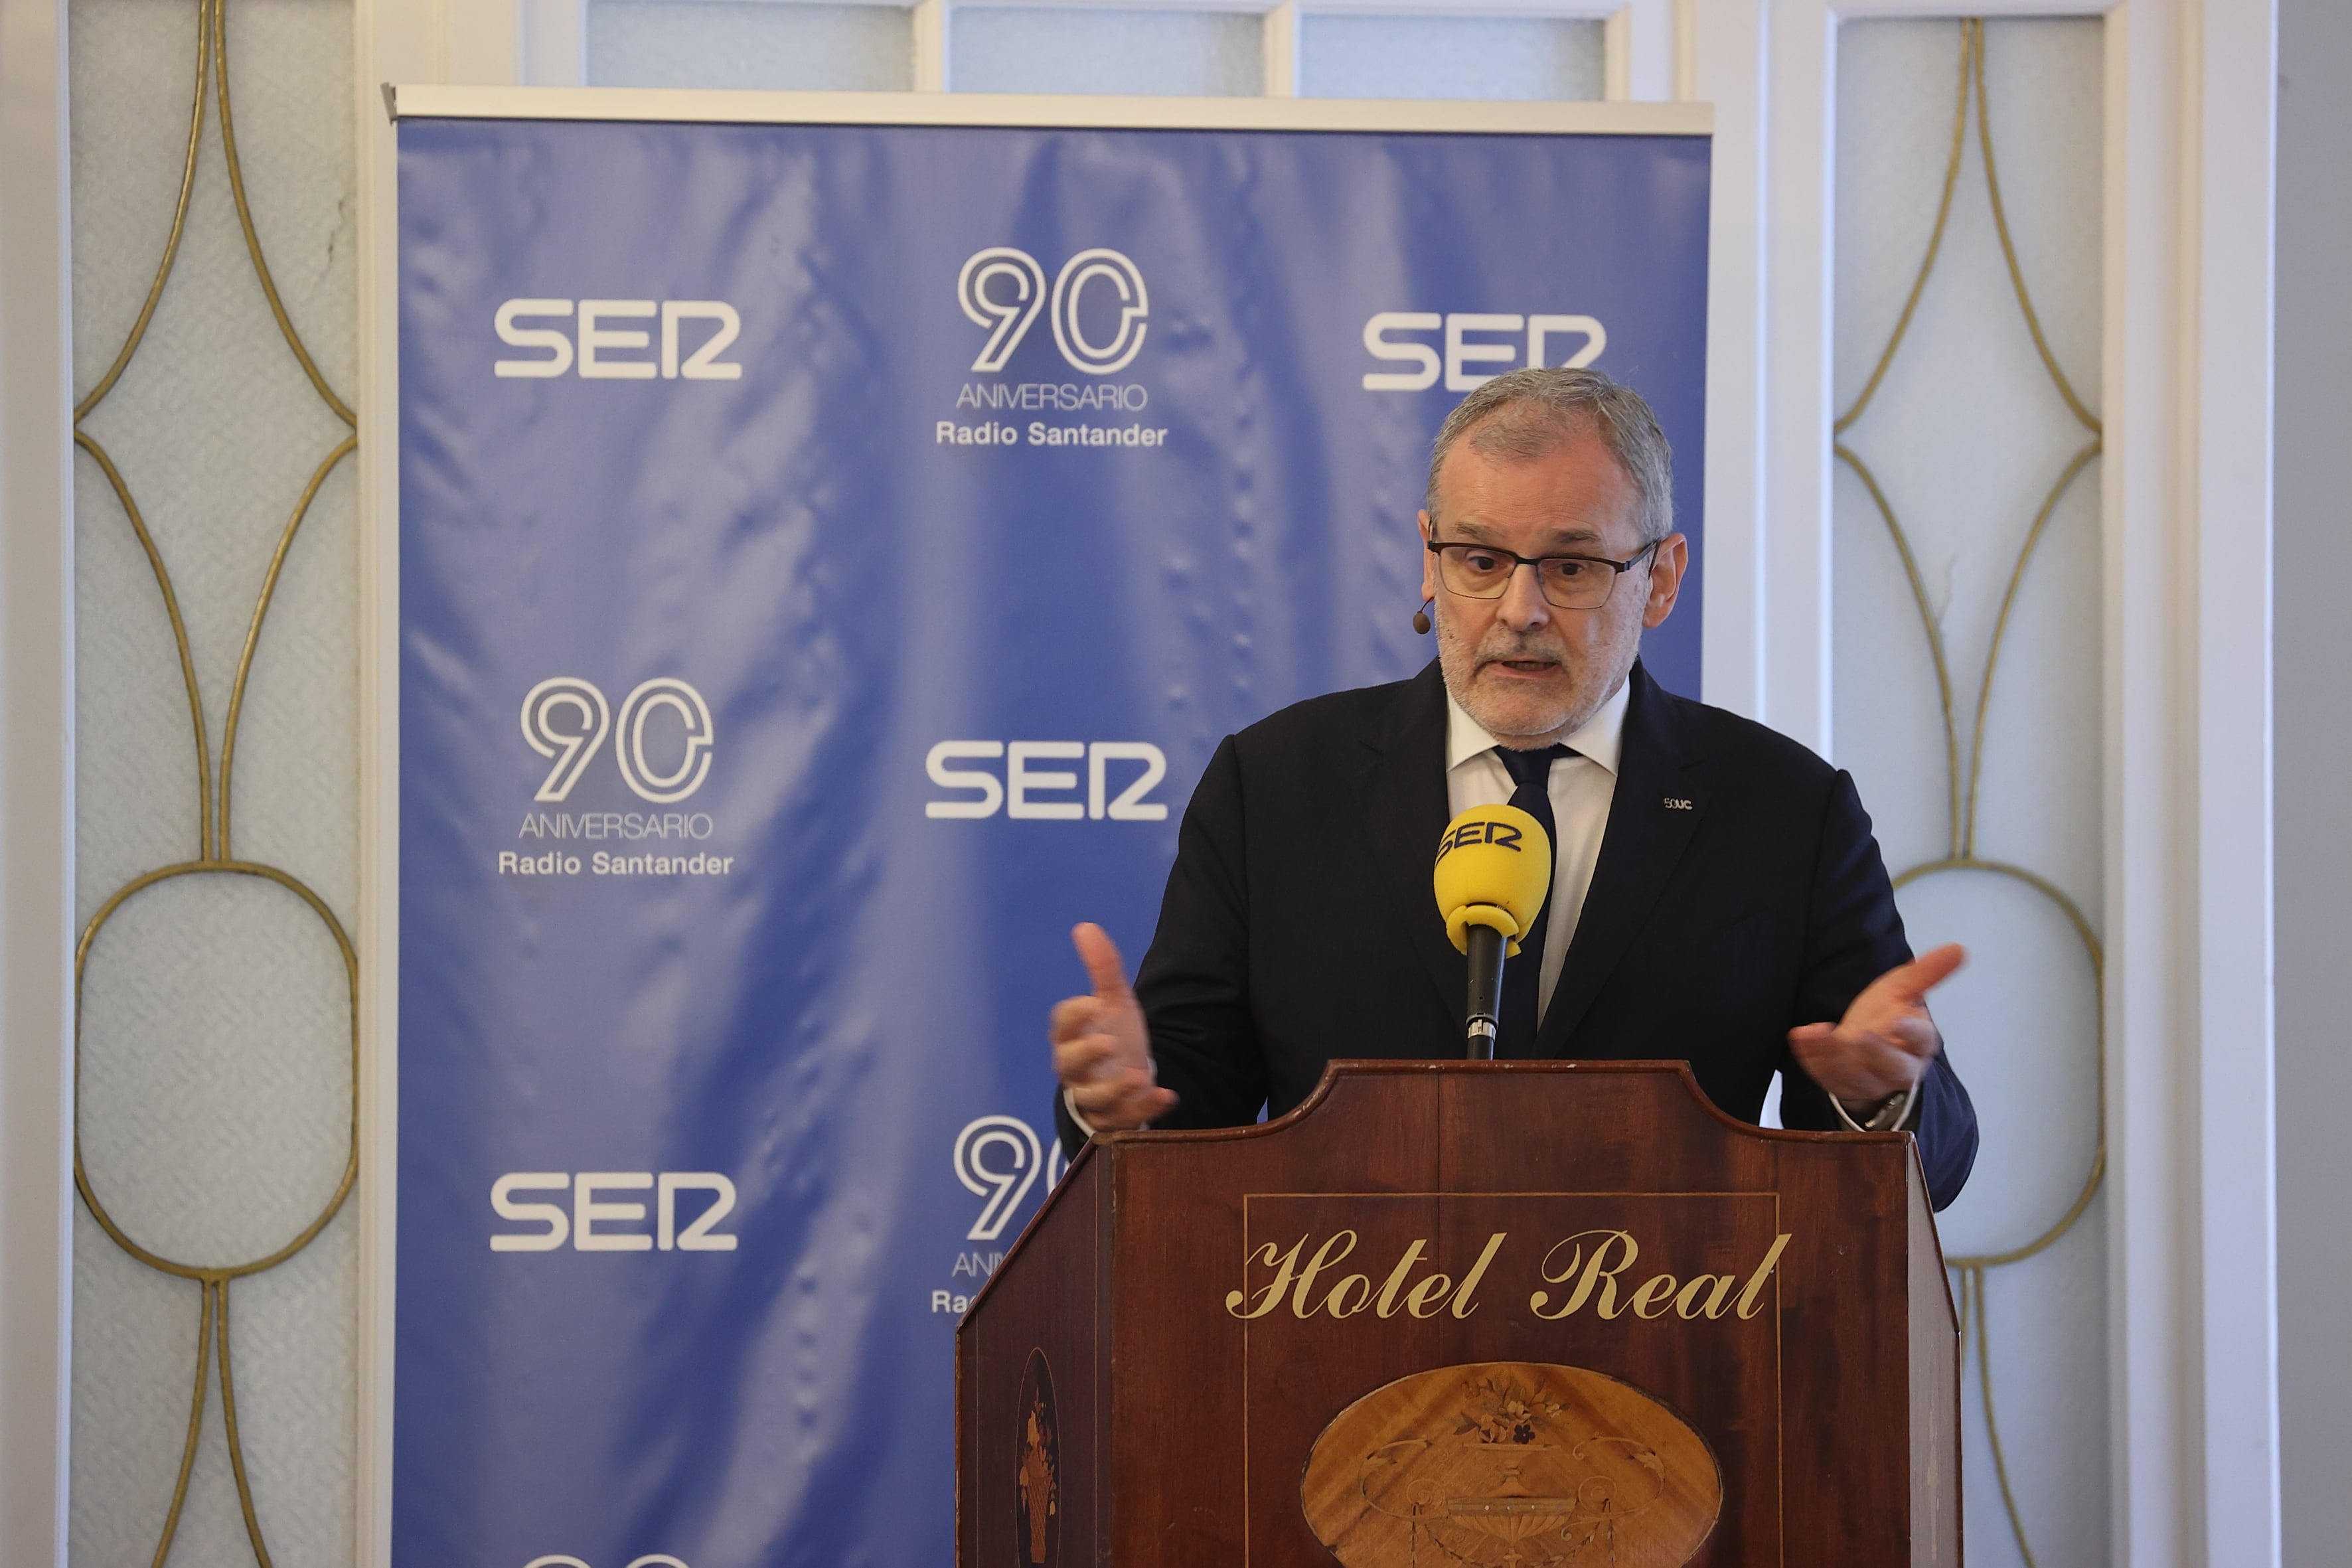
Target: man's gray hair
{"type": "Point", "coordinates": [1524, 414]}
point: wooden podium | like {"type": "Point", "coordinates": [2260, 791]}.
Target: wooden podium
{"type": "Point", "coordinates": [1518, 1314]}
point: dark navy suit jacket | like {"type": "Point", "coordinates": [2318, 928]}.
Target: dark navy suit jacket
{"type": "Point", "coordinates": [1299, 925]}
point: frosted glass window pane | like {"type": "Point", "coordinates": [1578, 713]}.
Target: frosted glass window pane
{"type": "Point", "coordinates": [1451, 57]}
{"type": "Point", "coordinates": [740, 43]}
{"type": "Point", "coordinates": [216, 1080]}
{"type": "Point", "coordinates": [1217, 53]}
{"type": "Point", "coordinates": [1966, 437]}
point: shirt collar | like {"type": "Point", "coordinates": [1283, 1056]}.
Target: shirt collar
{"type": "Point", "coordinates": [1602, 739]}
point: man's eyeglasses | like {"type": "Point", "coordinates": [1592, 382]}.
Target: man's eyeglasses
{"type": "Point", "coordinates": [1569, 582]}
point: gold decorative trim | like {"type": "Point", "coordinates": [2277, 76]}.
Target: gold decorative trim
{"type": "Point", "coordinates": [179, 635]}
{"type": "Point", "coordinates": [196, 1420]}
{"type": "Point", "coordinates": [228, 1421]}
{"type": "Point", "coordinates": [349, 444]}
{"type": "Point", "coordinates": [218, 1274]}
{"type": "Point", "coordinates": [1972, 1280]}
{"type": "Point", "coordinates": [1927, 620]}
{"type": "Point", "coordinates": [1974, 31]}
{"type": "Point", "coordinates": [245, 221]}
{"type": "Point", "coordinates": [2096, 953]}
{"type": "Point", "coordinates": [215, 855]}
{"type": "Point", "coordinates": [1961, 802]}
{"type": "Point", "coordinates": [171, 244]}
{"type": "Point", "coordinates": [2074, 464]}
{"type": "Point", "coordinates": [1934, 248]}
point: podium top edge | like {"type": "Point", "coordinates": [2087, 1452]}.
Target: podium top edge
{"type": "Point", "coordinates": [1340, 1068]}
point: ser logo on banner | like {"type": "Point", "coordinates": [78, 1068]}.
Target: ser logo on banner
{"type": "Point", "coordinates": [1468, 337]}
{"type": "Point", "coordinates": [591, 1225]}
{"type": "Point", "coordinates": [1002, 289]}
{"type": "Point", "coordinates": [607, 353]}
{"type": "Point", "coordinates": [566, 719]}
{"type": "Point", "coordinates": [1028, 792]}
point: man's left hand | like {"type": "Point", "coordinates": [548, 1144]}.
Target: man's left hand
{"type": "Point", "coordinates": [1884, 1044]}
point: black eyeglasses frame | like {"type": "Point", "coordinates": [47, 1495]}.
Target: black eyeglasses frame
{"type": "Point", "coordinates": [1439, 546]}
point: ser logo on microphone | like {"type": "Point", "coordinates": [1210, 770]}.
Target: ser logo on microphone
{"type": "Point", "coordinates": [1501, 834]}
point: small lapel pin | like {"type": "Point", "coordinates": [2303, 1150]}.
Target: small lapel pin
{"type": "Point", "coordinates": [1674, 803]}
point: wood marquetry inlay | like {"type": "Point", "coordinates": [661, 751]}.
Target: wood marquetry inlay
{"type": "Point", "coordinates": [1511, 1465]}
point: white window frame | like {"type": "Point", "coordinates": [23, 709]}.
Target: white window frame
{"type": "Point", "coordinates": [542, 43]}
{"type": "Point", "coordinates": [2186, 680]}
{"type": "Point", "coordinates": [37, 867]}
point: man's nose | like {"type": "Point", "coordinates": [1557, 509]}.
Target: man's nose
{"type": "Point", "coordinates": [1523, 601]}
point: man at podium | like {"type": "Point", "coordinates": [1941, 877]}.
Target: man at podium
{"type": "Point", "coordinates": [1717, 896]}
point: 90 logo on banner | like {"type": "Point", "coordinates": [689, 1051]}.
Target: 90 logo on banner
{"type": "Point", "coordinates": [1004, 1178]}
{"type": "Point", "coordinates": [566, 718]}
{"type": "Point", "coordinates": [1002, 289]}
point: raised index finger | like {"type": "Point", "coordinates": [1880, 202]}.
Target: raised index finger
{"type": "Point", "coordinates": [1101, 955]}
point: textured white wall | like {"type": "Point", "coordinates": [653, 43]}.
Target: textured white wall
{"type": "Point", "coordinates": [216, 1068]}
{"type": "Point", "coordinates": [1966, 435]}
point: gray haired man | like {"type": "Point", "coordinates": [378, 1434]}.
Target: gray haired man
{"type": "Point", "coordinates": [1716, 894]}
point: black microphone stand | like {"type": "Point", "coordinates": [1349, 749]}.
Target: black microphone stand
{"type": "Point", "coordinates": [1486, 948]}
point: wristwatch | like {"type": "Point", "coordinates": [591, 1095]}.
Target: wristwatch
{"type": "Point", "coordinates": [1887, 1116]}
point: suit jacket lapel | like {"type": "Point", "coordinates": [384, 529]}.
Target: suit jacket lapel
{"type": "Point", "coordinates": [1652, 813]}
{"type": "Point", "coordinates": [1402, 796]}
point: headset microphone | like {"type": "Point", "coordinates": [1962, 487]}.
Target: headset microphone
{"type": "Point", "coordinates": [1493, 868]}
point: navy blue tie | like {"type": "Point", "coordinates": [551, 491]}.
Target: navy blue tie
{"type": "Point", "coordinates": [1522, 976]}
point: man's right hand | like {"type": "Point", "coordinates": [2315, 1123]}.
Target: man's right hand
{"type": "Point", "coordinates": [1102, 1052]}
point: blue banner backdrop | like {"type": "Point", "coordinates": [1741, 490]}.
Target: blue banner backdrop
{"type": "Point", "coordinates": [828, 556]}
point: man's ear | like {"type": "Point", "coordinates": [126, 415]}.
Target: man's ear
{"type": "Point", "coordinates": [1667, 564]}
{"type": "Point", "coordinates": [1428, 560]}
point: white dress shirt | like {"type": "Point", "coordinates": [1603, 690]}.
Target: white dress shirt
{"type": "Point", "coordinates": [1580, 787]}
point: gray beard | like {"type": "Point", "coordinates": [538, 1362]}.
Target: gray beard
{"type": "Point", "coordinates": [1452, 657]}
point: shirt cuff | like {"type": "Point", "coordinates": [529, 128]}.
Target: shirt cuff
{"type": "Point", "coordinates": [1886, 1118]}
{"type": "Point", "coordinates": [1087, 1128]}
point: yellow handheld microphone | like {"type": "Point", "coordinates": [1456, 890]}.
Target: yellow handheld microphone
{"type": "Point", "coordinates": [1493, 868]}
